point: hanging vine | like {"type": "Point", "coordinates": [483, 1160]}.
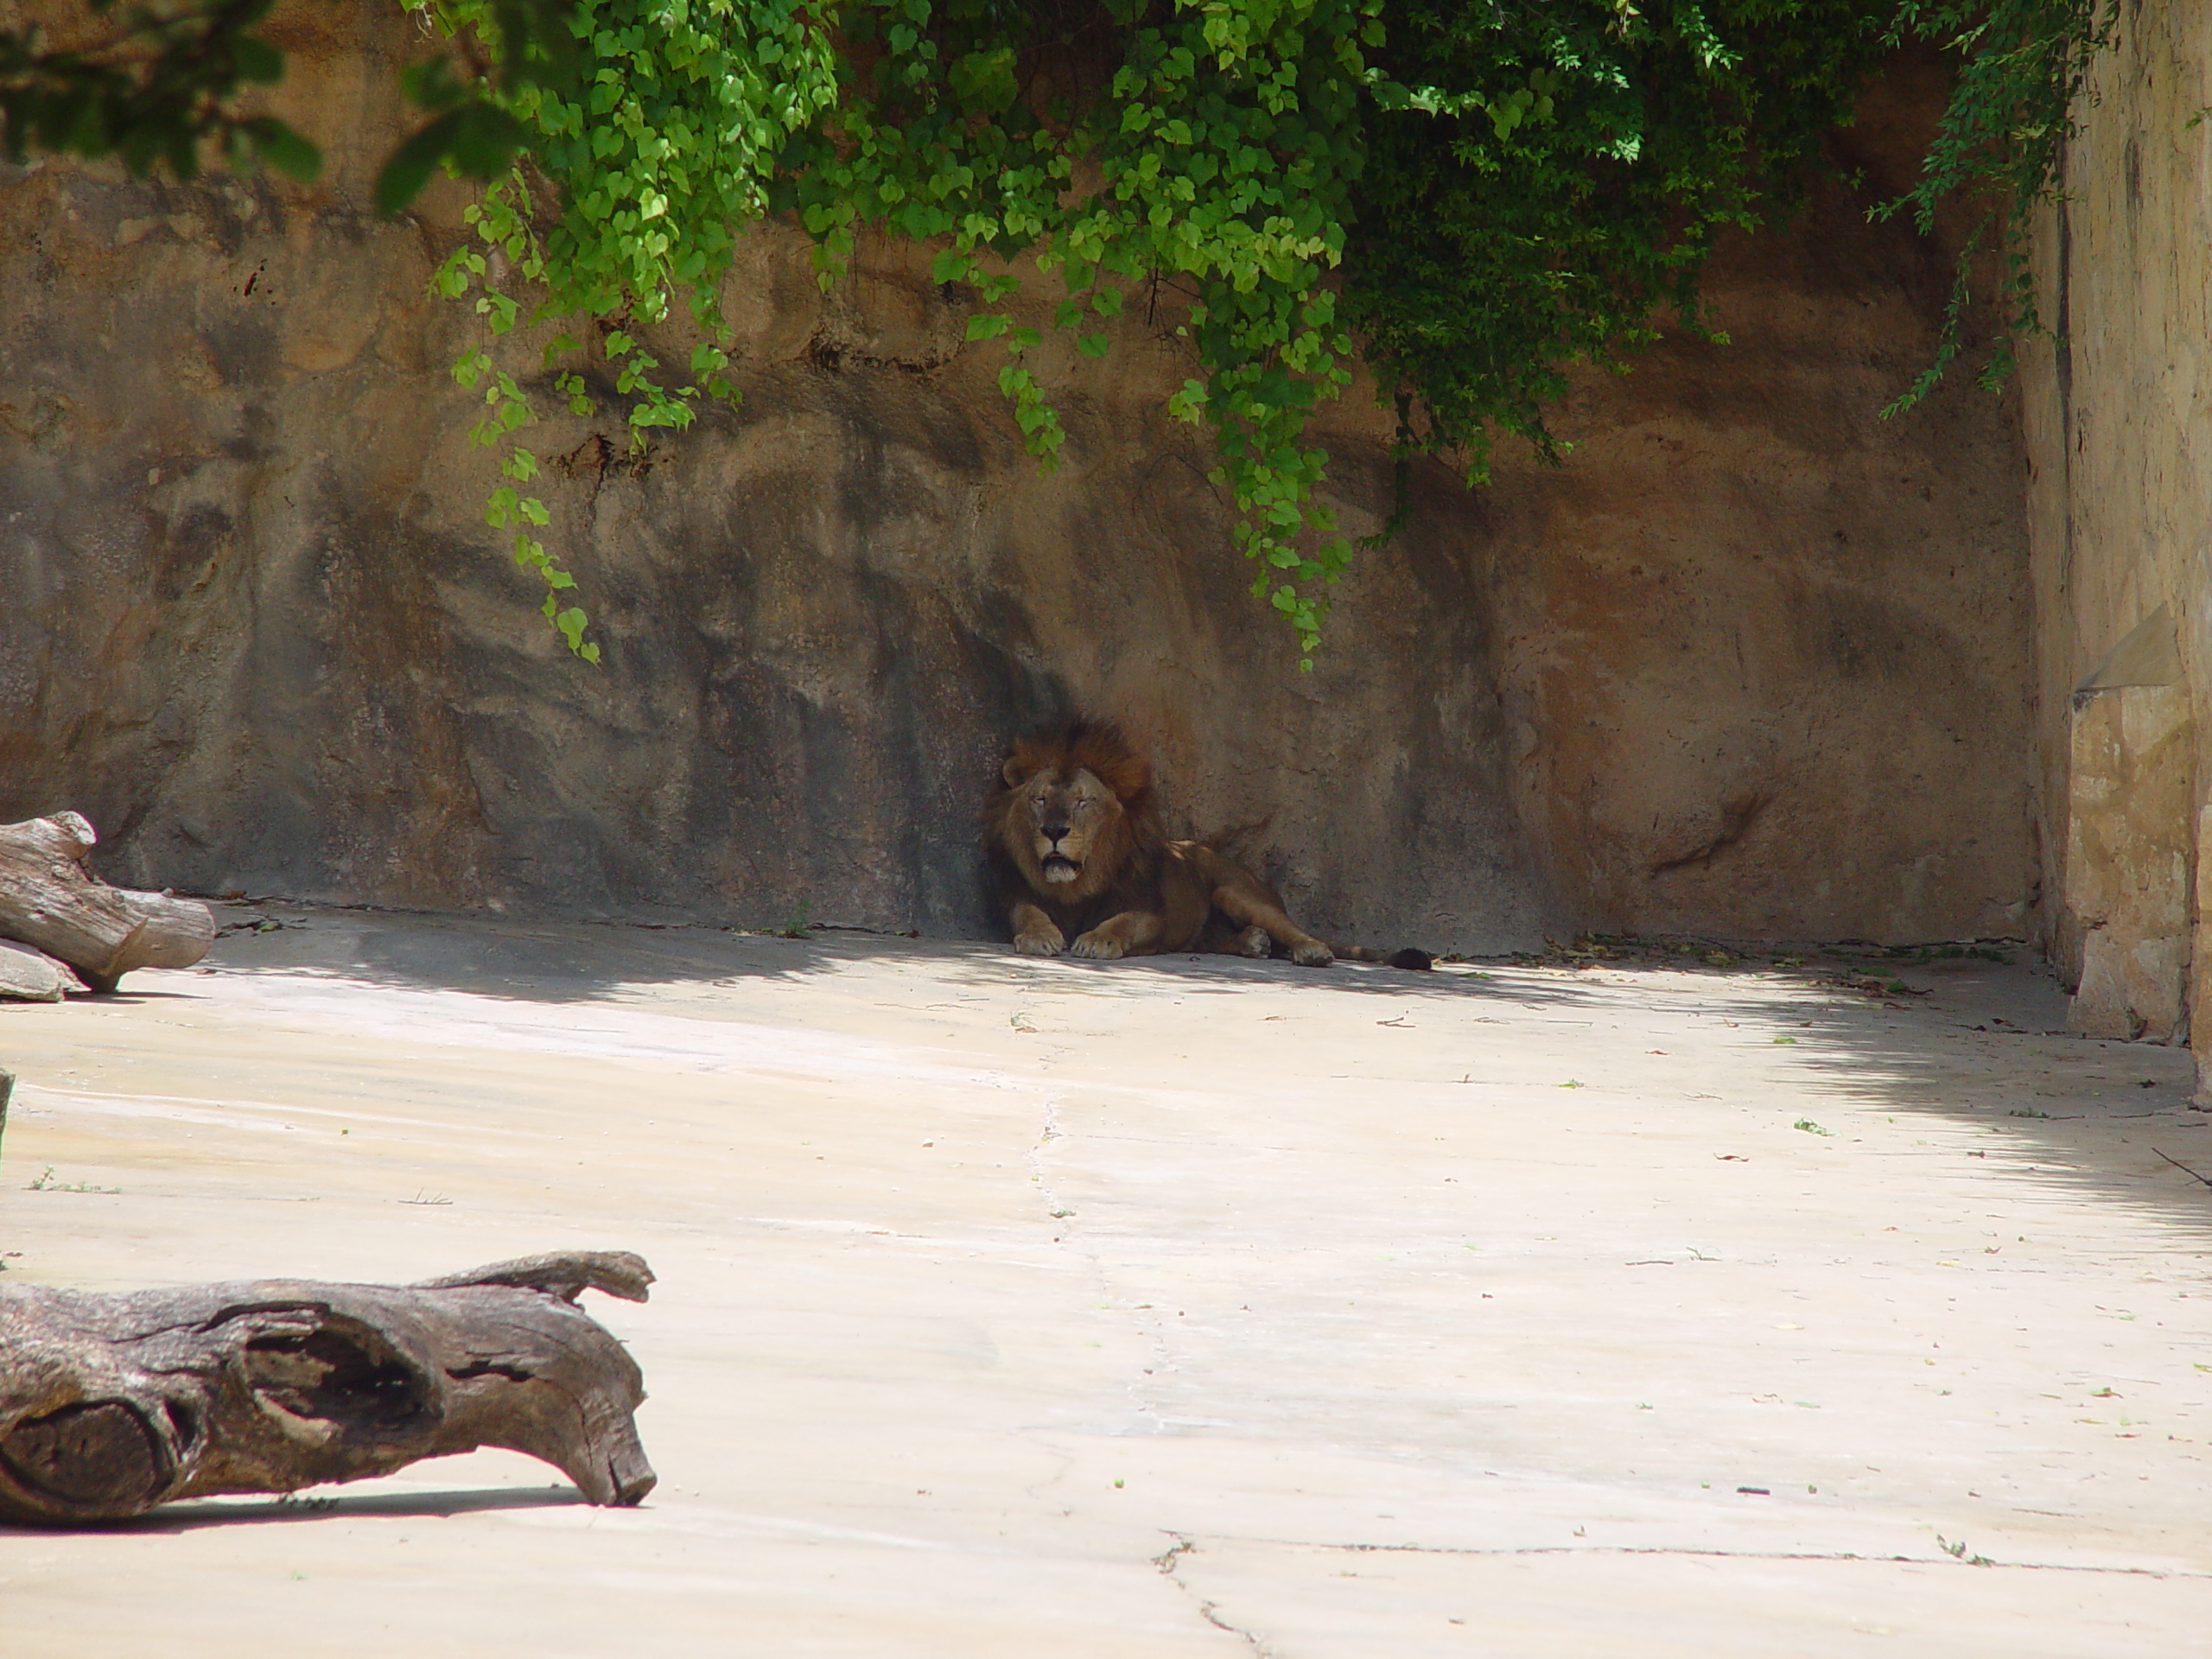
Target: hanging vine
{"type": "Point", "coordinates": [1483, 195]}
{"type": "Point", "coordinates": [2022, 68]}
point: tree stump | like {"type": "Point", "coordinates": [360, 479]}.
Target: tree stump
{"type": "Point", "coordinates": [111, 1404]}
{"type": "Point", "coordinates": [47, 901]}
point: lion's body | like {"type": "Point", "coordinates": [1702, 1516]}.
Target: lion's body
{"type": "Point", "coordinates": [1079, 861]}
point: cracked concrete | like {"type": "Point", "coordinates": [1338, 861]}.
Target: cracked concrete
{"type": "Point", "coordinates": [1164, 1308]}
{"type": "Point", "coordinates": [1169, 1563]}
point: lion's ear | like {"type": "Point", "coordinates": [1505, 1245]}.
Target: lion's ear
{"type": "Point", "coordinates": [1124, 773]}
{"type": "Point", "coordinates": [1015, 771]}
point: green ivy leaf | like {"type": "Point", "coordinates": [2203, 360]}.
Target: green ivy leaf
{"type": "Point", "coordinates": [277, 143]}
{"type": "Point", "coordinates": [477, 138]}
{"type": "Point", "coordinates": [982, 81]}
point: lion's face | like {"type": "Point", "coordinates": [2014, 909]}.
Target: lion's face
{"type": "Point", "coordinates": [1073, 808]}
{"type": "Point", "coordinates": [1070, 819]}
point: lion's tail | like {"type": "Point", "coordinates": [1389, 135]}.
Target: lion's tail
{"type": "Point", "coordinates": [1409, 958]}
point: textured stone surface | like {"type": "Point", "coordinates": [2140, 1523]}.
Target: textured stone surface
{"type": "Point", "coordinates": [2129, 861]}
{"type": "Point", "coordinates": [32, 976]}
{"type": "Point", "coordinates": [1754, 663]}
{"type": "Point", "coordinates": [2117, 419]}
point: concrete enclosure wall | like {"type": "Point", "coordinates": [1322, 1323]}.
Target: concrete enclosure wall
{"type": "Point", "coordinates": [1753, 664]}
{"type": "Point", "coordinates": [2118, 420]}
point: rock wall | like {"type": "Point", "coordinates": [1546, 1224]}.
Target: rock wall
{"type": "Point", "coordinates": [2117, 419]}
{"type": "Point", "coordinates": [1753, 664]}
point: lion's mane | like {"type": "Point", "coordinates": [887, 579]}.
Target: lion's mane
{"type": "Point", "coordinates": [1125, 857]}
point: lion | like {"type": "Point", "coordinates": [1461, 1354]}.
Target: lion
{"type": "Point", "coordinates": [1080, 863]}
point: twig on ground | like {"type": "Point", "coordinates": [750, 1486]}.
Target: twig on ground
{"type": "Point", "coordinates": [2186, 1169]}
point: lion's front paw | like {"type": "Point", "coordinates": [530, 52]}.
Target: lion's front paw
{"type": "Point", "coordinates": [1046, 942]}
{"type": "Point", "coordinates": [1254, 942]}
{"type": "Point", "coordinates": [1312, 954]}
{"type": "Point", "coordinates": [1098, 945]}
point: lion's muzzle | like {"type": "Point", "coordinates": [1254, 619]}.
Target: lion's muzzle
{"type": "Point", "coordinates": [1059, 866]}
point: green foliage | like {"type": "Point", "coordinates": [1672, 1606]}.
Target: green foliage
{"type": "Point", "coordinates": [1485, 195]}
{"type": "Point", "coordinates": [471, 129]}
{"type": "Point", "coordinates": [664, 152]}
{"type": "Point", "coordinates": [166, 86]}
{"type": "Point", "coordinates": [1218, 145]}
{"type": "Point", "coordinates": [1544, 186]}
{"type": "Point", "coordinates": [154, 94]}
{"type": "Point", "coordinates": [2022, 66]}
{"type": "Point", "coordinates": [1482, 193]}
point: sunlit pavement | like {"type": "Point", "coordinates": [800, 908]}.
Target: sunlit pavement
{"type": "Point", "coordinates": [1024, 1308]}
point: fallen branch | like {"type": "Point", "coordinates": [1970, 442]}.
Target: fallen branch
{"type": "Point", "coordinates": [49, 902]}
{"type": "Point", "coordinates": [111, 1404]}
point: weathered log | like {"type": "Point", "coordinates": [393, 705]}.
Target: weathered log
{"type": "Point", "coordinates": [48, 901]}
{"type": "Point", "coordinates": [111, 1404]}
{"type": "Point", "coordinates": [29, 975]}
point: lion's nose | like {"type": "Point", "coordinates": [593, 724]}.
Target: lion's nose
{"type": "Point", "coordinates": [1053, 832]}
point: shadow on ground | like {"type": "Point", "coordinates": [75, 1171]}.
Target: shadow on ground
{"type": "Point", "coordinates": [582, 962]}
{"type": "Point", "coordinates": [1969, 1041]}
{"type": "Point", "coordinates": [193, 1514]}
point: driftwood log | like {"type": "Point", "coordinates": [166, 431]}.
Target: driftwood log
{"type": "Point", "coordinates": [47, 901]}
{"type": "Point", "coordinates": [111, 1404]}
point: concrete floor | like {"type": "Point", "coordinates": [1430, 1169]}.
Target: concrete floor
{"type": "Point", "coordinates": [1010, 1307]}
